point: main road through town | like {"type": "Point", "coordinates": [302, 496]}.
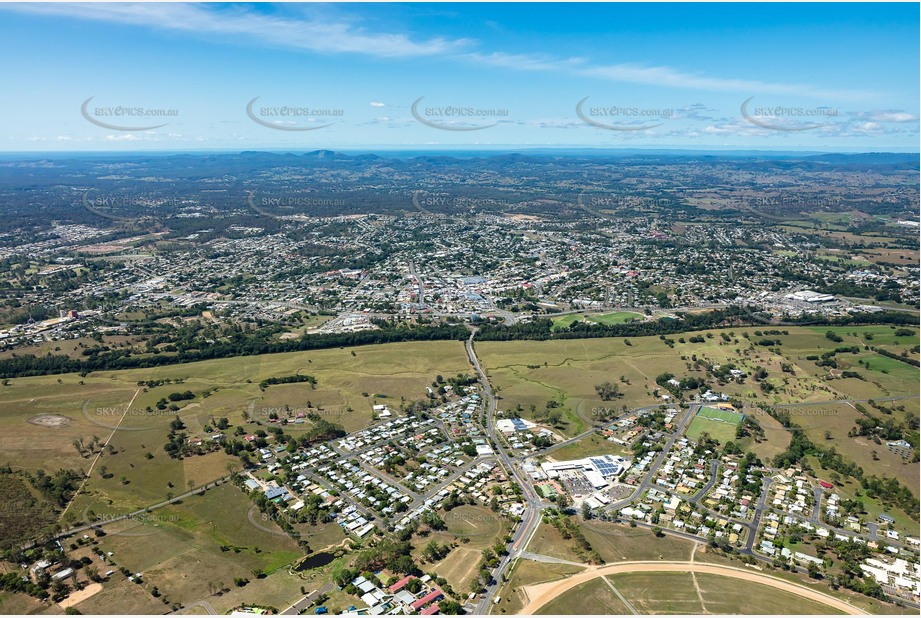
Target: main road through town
{"type": "Point", "coordinates": [531, 516]}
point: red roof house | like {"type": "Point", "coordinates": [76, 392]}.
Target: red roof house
{"type": "Point", "coordinates": [434, 595]}
{"type": "Point", "coordinates": [399, 585]}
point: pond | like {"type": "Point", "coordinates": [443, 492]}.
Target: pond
{"type": "Point", "coordinates": [317, 560]}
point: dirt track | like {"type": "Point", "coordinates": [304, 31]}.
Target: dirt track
{"type": "Point", "coordinates": [541, 594]}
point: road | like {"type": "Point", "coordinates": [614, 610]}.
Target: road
{"type": "Point", "coordinates": [207, 606]}
{"type": "Point", "coordinates": [802, 404]}
{"type": "Point", "coordinates": [99, 454]}
{"type": "Point", "coordinates": [106, 522]}
{"type": "Point", "coordinates": [304, 603]}
{"type": "Point", "coordinates": [759, 511]}
{"type": "Point", "coordinates": [541, 594]}
{"type": "Point", "coordinates": [420, 287]}
{"type": "Point", "coordinates": [646, 483]}
{"type": "Point", "coordinates": [714, 466]}
{"type": "Point", "coordinates": [586, 433]}
{"type": "Point", "coordinates": [531, 516]}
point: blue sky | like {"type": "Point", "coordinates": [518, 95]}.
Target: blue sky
{"type": "Point", "coordinates": [840, 77]}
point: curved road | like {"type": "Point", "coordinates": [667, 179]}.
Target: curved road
{"type": "Point", "coordinates": [541, 594]}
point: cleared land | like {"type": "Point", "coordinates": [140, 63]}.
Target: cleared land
{"type": "Point", "coordinates": [618, 542]}
{"type": "Point", "coordinates": [540, 594]}
{"type": "Point", "coordinates": [480, 527]}
{"type": "Point", "coordinates": [593, 444]}
{"type": "Point", "coordinates": [679, 593]}
{"type": "Point", "coordinates": [191, 550]}
{"type": "Point", "coordinates": [349, 382]}
{"type": "Point", "coordinates": [526, 572]}
{"type": "Point", "coordinates": [593, 598]}
{"type": "Point", "coordinates": [547, 540]}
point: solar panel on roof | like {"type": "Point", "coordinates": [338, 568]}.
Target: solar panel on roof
{"type": "Point", "coordinates": [603, 466]}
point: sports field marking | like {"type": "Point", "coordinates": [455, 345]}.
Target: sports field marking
{"type": "Point", "coordinates": [724, 416]}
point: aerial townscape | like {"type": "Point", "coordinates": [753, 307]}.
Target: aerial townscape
{"type": "Point", "coordinates": [260, 360]}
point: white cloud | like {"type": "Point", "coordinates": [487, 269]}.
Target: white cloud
{"type": "Point", "coordinates": [889, 115]}
{"type": "Point", "coordinates": [313, 35]}
{"type": "Point", "coordinates": [336, 35]}
{"type": "Point", "coordinates": [654, 76]}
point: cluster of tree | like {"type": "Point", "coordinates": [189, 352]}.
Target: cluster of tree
{"type": "Point", "coordinates": [684, 384]}
{"type": "Point", "coordinates": [749, 427]}
{"type": "Point", "coordinates": [903, 357]}
{"type": "Point", "coordinates": [542, 329]}
{"type": "Point", "coordinates": [877, 429]}
{"type": "Point", "coordinates": [178, 446]}
{"type": "Point", "coordinates": [295, 379]}
{"type": "Point", "coordinates": [827, 359]}
{"type": "Point", "coordinates": [461, 380]}
{"type": "Point", "coordinates": [241, 344]}
{"type": "Point", "coordinates": [183, 396]}
{"type": "Point", "coordinates": [155, 383]}
{"type": "Point", "coordinates": [14, 582]}
{"type": "Point", "coordinates": [569, 529]}
{"type": "Point", "coordinates": [488, 562]}
{"type": "Point", "coordinates": [434, 552]}
{"type": "Point", "coordinates": [432, 520]}
{"type": "Point", "coordinates": [322, 431]}
{"type": "Point", "coordinates": [608, 391]}
{"type": "Point", "coordinates": [851, 555]}
{"type": "Point", "coordinates": [705, 442]}
{"type": "Point", "coordinates": [455, 499]}
{"type": "Point", "coordinates": [58, 488]}
{"type": "Point", "coordinates": [652, 420]}
{"type": "Point", "coordinates": [387, 554]}
{"type": "Point", "coordinates": [750, 480]}
{"type": "Point", "coordinates": [891, 491]}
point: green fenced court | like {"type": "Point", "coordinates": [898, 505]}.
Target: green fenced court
{"type": "Point", "coordinates": [726, 416]}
